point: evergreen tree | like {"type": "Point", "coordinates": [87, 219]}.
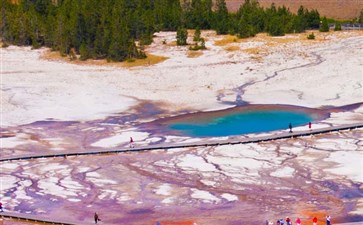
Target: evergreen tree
{"type": "Point", "coordinates": [202, 44]}
{"type": "Point", "coordinates": [360, 18]}
{"type": "Point", "coordinates": [311, 36]}
{"type": "Point", "coordinates": [313, 19]}
{"type": "Point", "coordinates": [112, 29]}
{"type": "Point", "coordinates": [324, 25]}
{"type": "Point", "coordinates": [300, 20]}
{"type": "Point", "coordinates": [197, 34]}
{"type": "Point", "coordinates": [221, 23]}
{"type": "Point", "coordinates": [275, 20]}
{"type": "Point", "coordinates": [243, 29]}
{"type": "Point", "coordinates": [207, 14]}
{"type": "Point", "coordinates": [251, 16]}
{"type": "Point", "coordinates": [338, 26]}
{"type": "Point", "coordinates": [181, 36]}
{"type": "Point", "coordinates": [119, 46]}
{"type": "Point", "coordinates": [84, 51]}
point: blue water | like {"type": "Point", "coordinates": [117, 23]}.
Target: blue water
{"type": "Point", "coordinates": [242, 123]}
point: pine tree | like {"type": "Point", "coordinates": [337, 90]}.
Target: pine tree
{"type": "Point", "coordinates": [300, 20]}
{"type": "Point", "coordinates": [274, 21]}
{"type": "Point", "coordinates": [197, 34]}
{"type": "Point", "coordinates": [338, 26]}
{"type": "Point", "coordinates": [202, 44]}
{"type": "Point", "coordinates": [84, 51]}
{"type": "Point", "coordinates": [243, 29]}
{"type": "Point", "coordinates": [313, 19]}
{"type": "Point", "coordinates": [112, 29]}
{"type": "Point", "coordinates": [181, 36]}
{"type": "Point", "coordinates": [360, 18]}
{"type": "Point", "coordinates": [324, 25]}
{"type": "Point", "coordinates": [119, 44]}
{"type": "Point", "coordinates": [221, 23]}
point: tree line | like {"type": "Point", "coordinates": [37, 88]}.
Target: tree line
{"type": "Point", "coordinates": [119, 29]}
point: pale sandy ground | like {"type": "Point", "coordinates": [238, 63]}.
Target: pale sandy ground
{"type": "Point", "coordinates": [214, 182]}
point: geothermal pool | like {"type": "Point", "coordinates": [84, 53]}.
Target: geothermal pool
{"type": "Point", "coordinates": [242, 123]}
{"type": "Point", "coordinates": [240, 120]}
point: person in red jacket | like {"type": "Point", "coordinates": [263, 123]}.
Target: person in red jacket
{"type": "Point", "coordinates": [315, 220]}
{"type": "Point", "coordinates": [288, 221]}
{"type": "Point", "coordinates": [298, 221]}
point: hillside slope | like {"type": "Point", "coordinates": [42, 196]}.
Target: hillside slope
{"type": "Point", "coordinates": [339, 9]}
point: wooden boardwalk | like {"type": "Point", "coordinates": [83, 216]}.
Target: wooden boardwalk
{"type": "Point", "coordinates": [165, 146]}
{"type": "Point", "coordinates": [35, 219]}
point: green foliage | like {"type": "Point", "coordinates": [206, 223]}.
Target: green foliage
{"type": "Point", "coordinates": [84, 51]}
{"type": "Point", "coordinates": [311, 36]}
{"type": "Point", "coordinates": [300, 20]}
{"type": "Point", "coordinates": [250, 19]}
{"type": "Point", "coordinates": [198, 45]}
{"type": "Point", "coordinates": [197, 34]}
{"type": "Point", "coordinates": [221, 18]}
{"type": "Point", "coordinates": [360, 18]}
{"type": "Point", "coordinates": [313, 19]}
{"type": "Point", "coordinates": [324, 25]}
{"type": "Point", "coordinates": [277, 19]}
{"type": "Point", "coordinates": [181, 36]}
{"type": "Point", "coordinates": [202, 43]}
{"type": "Point", "coordinates": [146, 39]}
{"type": "Point", "coordinates": [111, 30]}
{"type": "Point", "coordinates": [197, 13]}
{"type": "Point", "coordinates": [338, 26]}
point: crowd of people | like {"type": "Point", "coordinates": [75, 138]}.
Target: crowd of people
{"type": "Point", "coordinates": [297, 221]}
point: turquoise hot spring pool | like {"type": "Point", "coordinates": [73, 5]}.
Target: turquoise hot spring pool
{"type": "Point", "coordinates": [238, 123]}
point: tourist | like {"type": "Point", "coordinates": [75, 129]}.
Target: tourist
{"type": "Point", "coordinates": [290, 127]}
{"type": "Point", "coordinates": [328, 220]}
{"type": "Point", "coordinates": [288, 221]}
{"type": "Point", "coordinates": [97, 218]}
{"type": "Point", "coordinates": [298, 221]}
{"type": "Point", "coordinates": [309, 125]}
{"type": "Point", "coordinates": [1, 207]}
{"type": "Point", "coordinates": [315, 220]}
{"type": "Point", "coordinates": [281, 222]}
{"type": "Point", "coordinates": [278, 222]}
{"type": "Point", "coordinates": [132, 143]}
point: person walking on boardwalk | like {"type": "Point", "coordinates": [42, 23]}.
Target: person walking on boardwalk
{"type": "Point", "coordinates": [1, 207]}
{"type": "Point", "coordinates": [309, 125]}
{"type": "Point", "coordinates": [298, 221]}
{"type": "Point", "coordinates": [288, 221]}
{"type": "Point", "coordinates": [131, 142]}
{"type": "Point", "coordinates": [290, 127]}
{"type": "Point", "coordinates": [281, 222]}
{"type": "Point", "coordinates": [328, 222]}
{"type": "Point", "coordinates": [315, 220]}
{"type": "Point", "coordinates": [97, 218]}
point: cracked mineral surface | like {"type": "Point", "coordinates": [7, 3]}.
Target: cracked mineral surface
{"type": "Point", "coordinates": [50, 106]}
